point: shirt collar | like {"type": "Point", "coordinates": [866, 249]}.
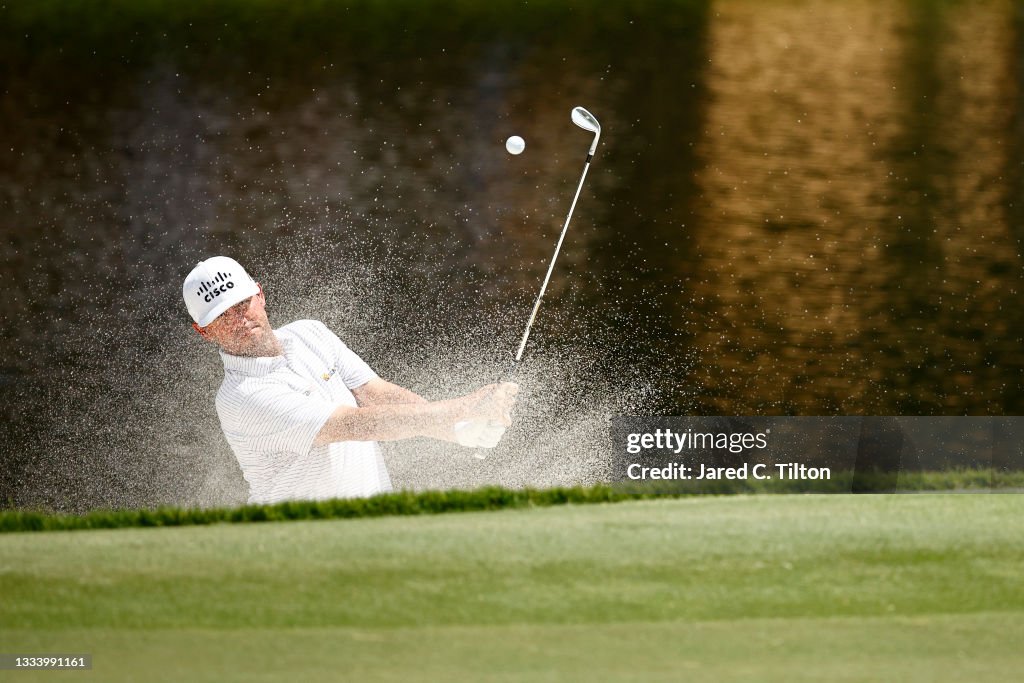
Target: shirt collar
{"type": "Point", "coordinates": [257, 367]}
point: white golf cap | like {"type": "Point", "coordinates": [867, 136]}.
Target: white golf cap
{"type": "Point", "coordinates": [214, 286]}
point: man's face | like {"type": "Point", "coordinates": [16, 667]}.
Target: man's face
{"type": "Point", "coordinates": [243, 329]}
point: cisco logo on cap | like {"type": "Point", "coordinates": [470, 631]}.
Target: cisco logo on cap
{"type": "Point", "coordinates": [215, 287]}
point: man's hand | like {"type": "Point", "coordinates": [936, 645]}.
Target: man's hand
{"type": "Point", "coordinates": [489, 413]}
{"type": "Point", "coordinates": [478, 434]}
{"type": "Point", "coordinates": [492, 403]}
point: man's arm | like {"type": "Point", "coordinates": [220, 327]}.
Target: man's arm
{"type": "Point", "coordinates": [378, 392]}
{"type": "Point", "coordinates": [377, 420]}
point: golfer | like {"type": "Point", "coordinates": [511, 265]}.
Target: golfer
{"type": "Point", "coordinates": [302, 412]}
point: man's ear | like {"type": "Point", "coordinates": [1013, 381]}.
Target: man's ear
{"type": "Point", "coordinates": [262, 295]}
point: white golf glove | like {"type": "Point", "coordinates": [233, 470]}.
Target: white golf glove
{"type": "Point", "coordinates": [478, 434]}
{"type": "Point", "coordinates": [491, 434]}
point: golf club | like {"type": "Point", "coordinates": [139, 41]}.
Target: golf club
{"type": "Point", "coordinates": [585, 120]}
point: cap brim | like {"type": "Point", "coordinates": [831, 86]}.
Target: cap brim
{"type": "Point", "coordinates": [229, 299]}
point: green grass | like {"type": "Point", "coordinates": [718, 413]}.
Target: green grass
{"type": "Point", "coordinates": [496, 498]}
{"type": "Point", "coordinates": [754, 588]}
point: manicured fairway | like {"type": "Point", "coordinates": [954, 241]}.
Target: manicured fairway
{"type": "Point", "coordinates": [762, 588]}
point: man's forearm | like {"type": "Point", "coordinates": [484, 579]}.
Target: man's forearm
{"type": "Point", "coordinates": [381, 392]}
{"type": "Point", "coordinates": [379, 419]}
{"type": "Point", "coordinates": [390, 422]}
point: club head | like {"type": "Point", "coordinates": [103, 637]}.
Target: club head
{"type": "Point", "coordinates": [585, 120]}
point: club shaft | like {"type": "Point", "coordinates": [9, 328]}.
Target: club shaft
{"type": "Point", "coordinates": [551, 268]}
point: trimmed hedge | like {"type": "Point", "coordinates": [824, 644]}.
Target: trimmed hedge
{"type": "Point", "coordinates": [496, 498]}
{"type": "Point", "coordinates": [391, 504]}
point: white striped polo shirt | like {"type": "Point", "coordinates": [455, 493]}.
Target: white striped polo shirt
{"type": "Point", "coordinates": [271, 410]}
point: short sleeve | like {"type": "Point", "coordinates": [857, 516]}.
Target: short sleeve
{"type": "Point", "coordinates": [352, 369]}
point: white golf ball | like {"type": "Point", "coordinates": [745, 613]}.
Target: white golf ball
{"type": "Point", "coordinates": [515, 145]}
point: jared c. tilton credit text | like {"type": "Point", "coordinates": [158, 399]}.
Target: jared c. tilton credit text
{"type": "Point", "coordinates": [676, 442]}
